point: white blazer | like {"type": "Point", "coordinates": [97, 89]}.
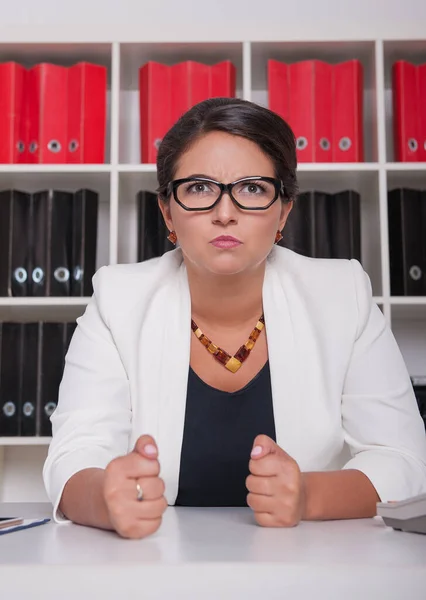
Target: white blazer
{"type": "Point", "coordinates": [342, 396]}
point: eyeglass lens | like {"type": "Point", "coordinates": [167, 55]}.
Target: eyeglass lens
{"type": "Point", "coordinates": [250, 194]}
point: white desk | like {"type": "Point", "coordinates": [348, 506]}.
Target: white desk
{"type": "Point", "coordinates": [205, 554]}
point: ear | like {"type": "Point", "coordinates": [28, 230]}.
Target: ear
{"type": "Point", "coordinates": [166, 212]}
{"type": "Point", "coordinates": [286, 209]}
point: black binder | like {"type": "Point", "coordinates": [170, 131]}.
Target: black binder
{"type": "Point", "coordinates": [407, 241]}
{"type": "Point", "coordinates": [338, 225]}
{"type": "Point", "coordinates": [51, 360]}
{"type": "Point", "coordinates": [323, 225]}
{"type": "Point", "coordinates": [30, 369]}
{"type": "Point", "coordinates": [419, 386]}
{"type": "Point", "coordinates": [151, 231]}
{"type": "Point", "coordinates": [298, 232]}
{"type": "Point", "coordinates": [84, 241]}
{"type": "Point", "coordinates": [11, 357]}
{"type": "Point", "coordinates": [51, 243]}
{"type": "Point", "coordinates": [15, 209]}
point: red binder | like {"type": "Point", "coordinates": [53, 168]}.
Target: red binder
{"type": "Point", "coordinates": [278, 88]}
{"type": "Point", "coordinates": [190, 83]}
{"type": "Point", "coordinates": [347, 144]}
{"type": "Point", "coordinates": [301, 108]}
{"type": "Point", "coordinates": [86, 113]}
{"type": "Point", "coordinates": [223, 80]}
{"type": "Point", "coordinates": [12, 112]}
{"type": "Point", "coordinates": [421, 74]}
{"type": "Point", "coordinates": [168, 92]}
{"type": "Point", "coordinates": [405, 111]}
{"type": "Point", "coordinates": [323, 111]}
{"type": "Point", "coordinates": [47, 96]}
{"type": "Point", "coordinates": [154, 101]}
{"type": "Point", "coordinates": [310, 109]}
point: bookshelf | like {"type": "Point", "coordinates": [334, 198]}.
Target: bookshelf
{"type": "Point", "coordinates": [122, 176]}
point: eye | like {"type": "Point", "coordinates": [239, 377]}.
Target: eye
{"type": "Point", "coordinates": [252, 187]}
{"type": "Point", "coordinates": [198, 187]}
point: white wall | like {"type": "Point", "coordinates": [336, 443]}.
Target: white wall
{"type": "Point", "coordinates": [198, 20]}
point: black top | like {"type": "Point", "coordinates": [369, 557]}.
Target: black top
{"type": "Point", "coordinates": [219, 431]}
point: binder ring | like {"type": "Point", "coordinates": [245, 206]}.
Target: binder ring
{"type": "Point", "coordinates": [412, 144]}
{"type": "Point", "coordinates": [54, 146]}
{"type": "Point", "coordinates": [415, 272]}
{"type": "Point", "coordinates": [9, 409]}
{"type": "Point", "coordinates": [20, 146]}
{"type": "Point", "coordinates": [345, 143]}
{"type": "Point", "coordinates": [78, 273]}
{"type": "Point", "coordinates": [20, 275]}
{"type": "Point", "coordinates": [61, 274]}
{"type": "Point", "coordinates": [49, 409]}
{"type": "Point", "coordinates": [73, 145]}
{"type": "Point", "coordinates": [38, 275]}
{"type": "Point", "coordinates": [28, 409]}
{"type": "Point", "coordinates": [301, 143]}
{"type": "Point", "coordinates": [324, 143]}
{"type": "Point", "coordinates": [33, 147]}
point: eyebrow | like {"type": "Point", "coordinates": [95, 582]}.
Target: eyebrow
{"type": "Point", "coordinates": [195, 175]}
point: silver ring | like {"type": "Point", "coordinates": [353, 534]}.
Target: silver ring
{"type": "Point", "coordinates": [139, 493]}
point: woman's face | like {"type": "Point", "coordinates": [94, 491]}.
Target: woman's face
{"type": "Point", "coordinates": [225, 158]}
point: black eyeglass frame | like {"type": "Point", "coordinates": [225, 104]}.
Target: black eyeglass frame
{"type": "Point", "coordinates": [226, 187]}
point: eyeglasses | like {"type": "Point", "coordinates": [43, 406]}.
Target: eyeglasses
{"type": "Point", "coordinates": [248, 193]}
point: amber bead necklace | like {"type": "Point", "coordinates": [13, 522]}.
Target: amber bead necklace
{"type": "Point", "coordinates": [232, 363]}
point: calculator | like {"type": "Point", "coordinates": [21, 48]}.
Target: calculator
{"type": "Point", "coordinates": [405, 515]}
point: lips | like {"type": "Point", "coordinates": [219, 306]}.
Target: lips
{"type": "Point", "coordinates": [226, 242]}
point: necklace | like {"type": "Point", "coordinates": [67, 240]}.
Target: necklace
{"type": "Point", "coordinates": [232, 363]}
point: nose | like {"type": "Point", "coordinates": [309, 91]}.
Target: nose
{"type": "Point", "coordinates": [225, 211]}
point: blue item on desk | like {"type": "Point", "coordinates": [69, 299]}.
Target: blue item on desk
{"type": "Point", "coordinates": [27, 524]}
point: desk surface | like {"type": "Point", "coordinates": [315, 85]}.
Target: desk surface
{"type": "Point", "coordinates": [213, 553]}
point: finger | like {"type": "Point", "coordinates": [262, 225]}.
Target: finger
{"type": "Point", "coordinates": [152, 488]}
{"type": "Point", "coordinates": [260, 485]}
{"type": "Point", "coordinates": [269, 466]}
{"type": "Point", "coordinates": [261, 504]}
{"type": "Point", "coordinates": [138, 529]}
{"type": "Point", "coordinates": [262, 446]}
{"type": "Point", "coordinates": [134, 466]}
{"type": "Point", "coordinates": [265, 519]}
{"type": "Point", "coordinates": [150, 509]}
{"type": "Point", "coordinates": [146, 446]}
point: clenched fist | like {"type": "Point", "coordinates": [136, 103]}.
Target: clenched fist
{"type": "Point", "coordinates": [124, 477]}
{"type": "Point", "coordinates": [275, 485]}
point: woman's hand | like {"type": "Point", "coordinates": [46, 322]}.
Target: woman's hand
{"type": "Point", "coordinates": [130, 517]}
{"type": "Point", "coordinates": [275, 485]}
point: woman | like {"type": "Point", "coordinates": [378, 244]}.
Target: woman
{"type": "Point", "coordinates": [314, 417]}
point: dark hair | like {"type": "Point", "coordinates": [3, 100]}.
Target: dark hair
{"type": "Point", "coordinates": [236, 117]}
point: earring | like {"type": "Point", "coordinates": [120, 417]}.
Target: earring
{"type": "Point", "coordinates": [172, 237]}
{"type": "Point", "coordinates": [278, 237]}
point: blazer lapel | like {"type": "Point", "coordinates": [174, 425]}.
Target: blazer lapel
{"type": "Point", "coordinates": [173, 377]}
{"type": "Point", "coordinates": [285, 377]}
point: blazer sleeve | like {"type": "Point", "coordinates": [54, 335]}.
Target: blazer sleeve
{"type": "Point", "coordinates": [92, 422]}
{"type": "Point", "coordinates": [382, 424]}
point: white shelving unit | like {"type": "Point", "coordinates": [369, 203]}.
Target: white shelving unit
{"type": "Point", "coordinates": [123, 176]}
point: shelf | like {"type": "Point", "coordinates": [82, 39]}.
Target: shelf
{"type": "Point", "coordinates": [25, 441]}
{"type": "Point", "coordinates": [408, 300]}
{"type": "Point", "coordinates": [43, 301]}
{"type": "Point", "coordinates": [42, 309]}
{"type": "Point", "coordinates": [406, 166]}
{"type": "Point", "coordinates": [54, 168]}
{"type": "Point", "coordinates": [140, 168]}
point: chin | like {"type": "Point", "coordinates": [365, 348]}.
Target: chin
{"type": "Point", "coordinates": [225, 263]}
